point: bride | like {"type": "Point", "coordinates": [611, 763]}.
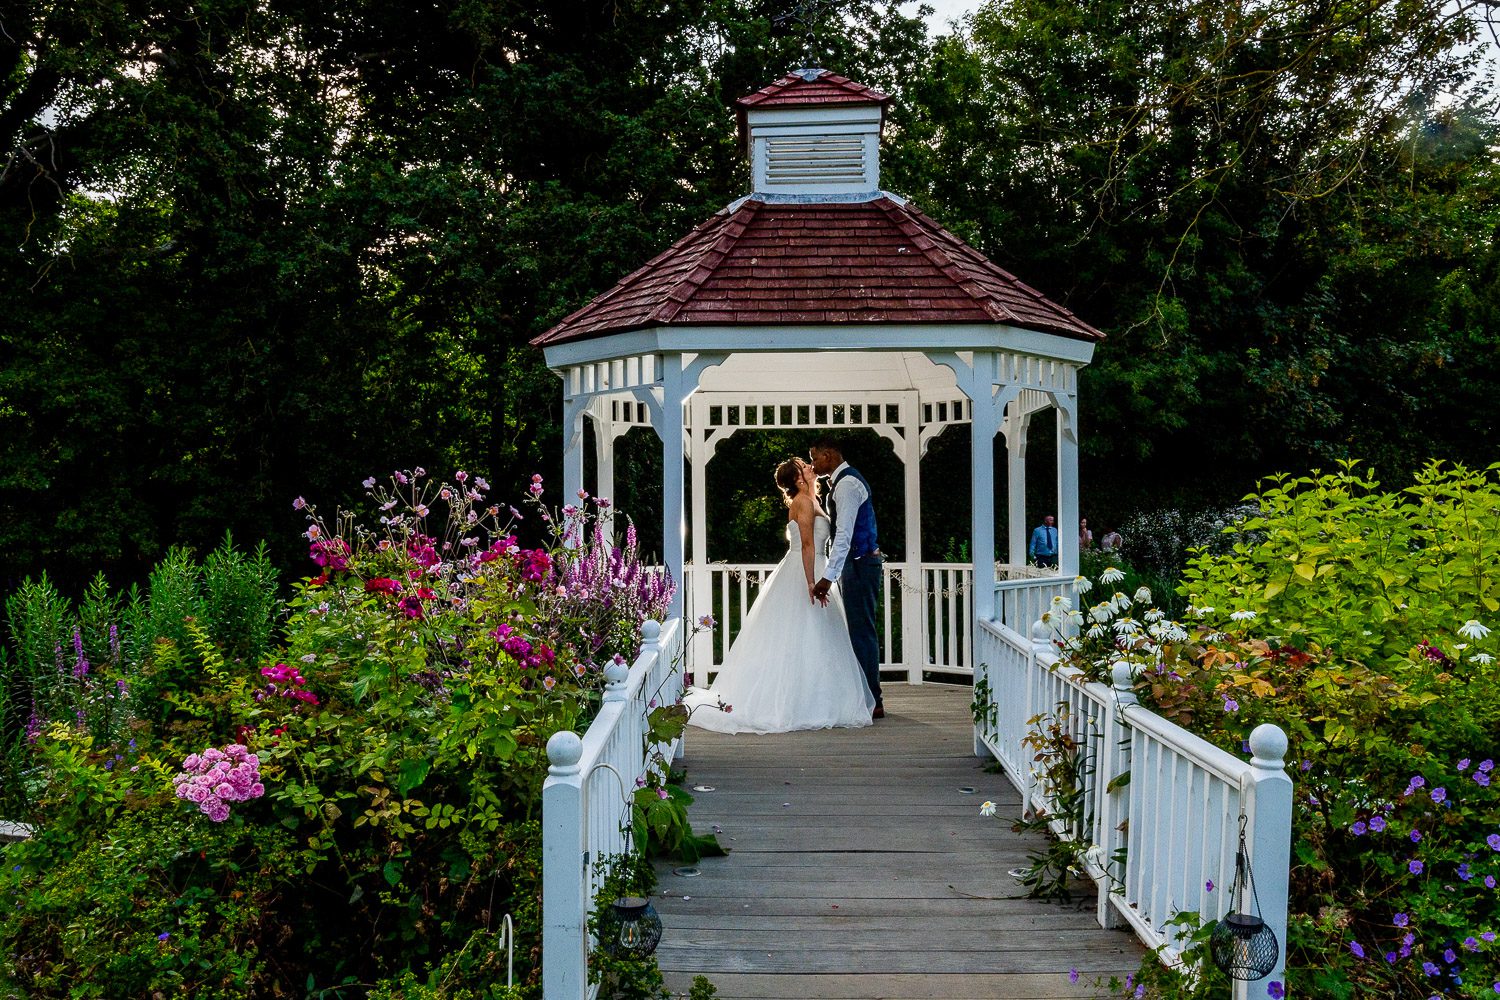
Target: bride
{"type": "Point", "coordinates": [791, 666]}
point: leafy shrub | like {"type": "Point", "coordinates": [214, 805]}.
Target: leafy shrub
{"type": "Point", "coordinates": [1352, 617]}
{"type": "Point", "coordinates": [393, 757]}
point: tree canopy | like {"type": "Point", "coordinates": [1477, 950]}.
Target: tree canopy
{"type": "Point", "coordinates": [251, 250]}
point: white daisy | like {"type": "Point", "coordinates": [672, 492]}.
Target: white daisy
{"type": "Point", "coordinates": [1061, 603]}
{"type": "Point", "coordinates": [1127, 626]}
{"type": "Point", "coordinates": [1242, 616]}
{"type": "Point", "coordinates": [1102, 612]}
{"type": "Point", "coordinates": [1483, 659]}
{"type": "Point", "coordinates": [1200, 612]}
{"type": "Point", "coordinates": [987, 808]}
{"type": "Point", "coordinates": [1082, 584]}
{"type": "Point", "coordinates": [1097, 632]}
{"type": "Point", "coordinates": [1112, 575]}
{"type": "Point", "coordinates": [1143, 596]}
{"type": "Point", "coordinates": [1473, 630]}
{"type": "Point", "coordinates": [1154, 615]}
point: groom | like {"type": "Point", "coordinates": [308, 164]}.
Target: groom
{"type": "Point", "coordinates": [854, 559]}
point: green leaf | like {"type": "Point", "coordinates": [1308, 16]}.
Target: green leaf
{"type": "Point", "coordinates": [392, 873]}
{"type": "Point", "coordinates": [412, 772]}
{"type": "Point", "coordinates": [1118, 781]}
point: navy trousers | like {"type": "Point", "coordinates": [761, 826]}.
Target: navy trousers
{"type": "Point", "coordinates": [860, 587]}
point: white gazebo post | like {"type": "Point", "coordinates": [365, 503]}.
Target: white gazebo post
{"type": "Point", "coordinates": [913, 577]}
{"type": "Point", "coordinates": [700, 450]}
{"type": "Point", "coordinates": [1017, 421]}
{"type": "Point", "coordinates": [604, 462]}
{"type": "Point", "coordinates": [574, 409]}
{"type": "Point", "coordinates": [673, 453]}
{"type": "Point", "coordinates": [1067, 485]}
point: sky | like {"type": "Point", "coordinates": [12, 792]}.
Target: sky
{"type": "Point", "coordinates": [944, 11]}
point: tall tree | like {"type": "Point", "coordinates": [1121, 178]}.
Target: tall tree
{"type": "Point", "coordinates": [1212, 184]}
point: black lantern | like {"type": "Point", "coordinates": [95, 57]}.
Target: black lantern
{"type": "Point", "coordinates": [1241, 944]}
{"type": "Point", "coordinates": [632, 929]}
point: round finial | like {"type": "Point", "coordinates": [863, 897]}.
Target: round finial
{"type": "Point", "coordinates": [1122, 672]}
{"type": "Point", "coordinates": [1268, 745]}
{"type": "Point", "coordinates": [616, 672]}
{"type": "Point", "coordinates": [565, 750]}
{"type": "Point", "coordinates": [1041, 632]}
{"type": "Point", "coordinates": [650, 631]}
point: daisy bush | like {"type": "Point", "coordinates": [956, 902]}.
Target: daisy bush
{"type": "Point", "coordinates": [1361, 621]}
{"type": "Point", "coordinates": [352, 805]}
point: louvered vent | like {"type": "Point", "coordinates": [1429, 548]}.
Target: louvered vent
{"type": "Point", "coordinates": [794, 161]}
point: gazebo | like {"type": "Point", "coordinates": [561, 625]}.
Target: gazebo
{"type": "Point", "coordinates": [821, 301]}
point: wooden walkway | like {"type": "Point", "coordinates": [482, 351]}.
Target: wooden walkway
{"type": "Point", "coordinates": [859, 868]}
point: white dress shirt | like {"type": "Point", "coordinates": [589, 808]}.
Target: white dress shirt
{"type": "Point", "coordinates": [848, 496]}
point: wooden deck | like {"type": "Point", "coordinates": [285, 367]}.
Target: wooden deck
{"type": "Point", "coordinates": [859, 869]}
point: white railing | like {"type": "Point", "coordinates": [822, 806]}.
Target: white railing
{"type": "Point", "coordinates": [940, 610]}
{"type": "Point", "coordinates": [586, 801]}
{"type": "Point", "coordinates": [1160, 810]}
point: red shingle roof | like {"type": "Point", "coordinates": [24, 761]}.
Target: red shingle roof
{"type": "Point", "coordinates": [793, 90]}
{"type": "Point", "coordinates": [770, 263]}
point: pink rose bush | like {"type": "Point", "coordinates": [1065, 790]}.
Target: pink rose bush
{"type": "Point", "coordinates": [216, 777]}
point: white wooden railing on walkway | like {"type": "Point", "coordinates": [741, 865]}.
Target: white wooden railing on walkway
{"type": "Point", "coordinates": [1160, 810]}
{"type": "Point", "coordinates": [936, 598]}
{"type": "Point", "coordinates": [586, 801]}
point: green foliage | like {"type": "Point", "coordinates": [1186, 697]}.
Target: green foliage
{"type": "Point", "coordinates": [1354, 618]}
{"type": "Point", "coordinates": [1363, 573]}
{"type": "Point", "coordinates": [398, 733]}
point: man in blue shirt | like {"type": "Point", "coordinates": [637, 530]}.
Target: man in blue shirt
{"type": "Point", "coordinates": [854, 559]}
{"type": "Point", "coordinates": [1043, 547]}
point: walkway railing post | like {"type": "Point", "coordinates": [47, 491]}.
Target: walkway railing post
{"type": "Point", "coordinates": [1269, 838]}
{"type": "Point", "coordinates": [565, 903]}
{"type": "Point", "coordinates": [1114, 804]}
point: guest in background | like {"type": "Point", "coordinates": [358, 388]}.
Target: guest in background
{"type": "Point", "coordinates": [1111, 542]}
{"type": "Point", "coordinates": [1043, 547]}
{"type": "Point", "coordinates": [1085, 536]}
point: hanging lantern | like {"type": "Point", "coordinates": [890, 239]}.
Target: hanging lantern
{"type": "Point", "coordinates": [632, 929]}
{"type": "Point", "coordinates": [1241, 944]}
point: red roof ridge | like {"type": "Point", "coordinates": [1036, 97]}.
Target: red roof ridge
{"type": "Point", "coordinates": [967, 281]}
{"type": "Point", "coordinates": [826, 88]}
{"type": "Point", "coordinates": [560, 328]}
{"type": "Point", "coordinates": [682, 292]}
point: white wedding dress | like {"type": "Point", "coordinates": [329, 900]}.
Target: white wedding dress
{"type": "Point", "coordinates": [791, 666]}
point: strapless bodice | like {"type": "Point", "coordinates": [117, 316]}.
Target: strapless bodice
{"type": "Point", "coordinates": [821, 531]}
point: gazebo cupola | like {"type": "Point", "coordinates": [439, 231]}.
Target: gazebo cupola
{"type": "Point", "coordinates": [814, 133]}
{"type": "Point", "coordinates": [820, 301]}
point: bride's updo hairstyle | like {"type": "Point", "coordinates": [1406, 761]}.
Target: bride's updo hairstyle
{"type": "Point", "coordinates": [789, 479]}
